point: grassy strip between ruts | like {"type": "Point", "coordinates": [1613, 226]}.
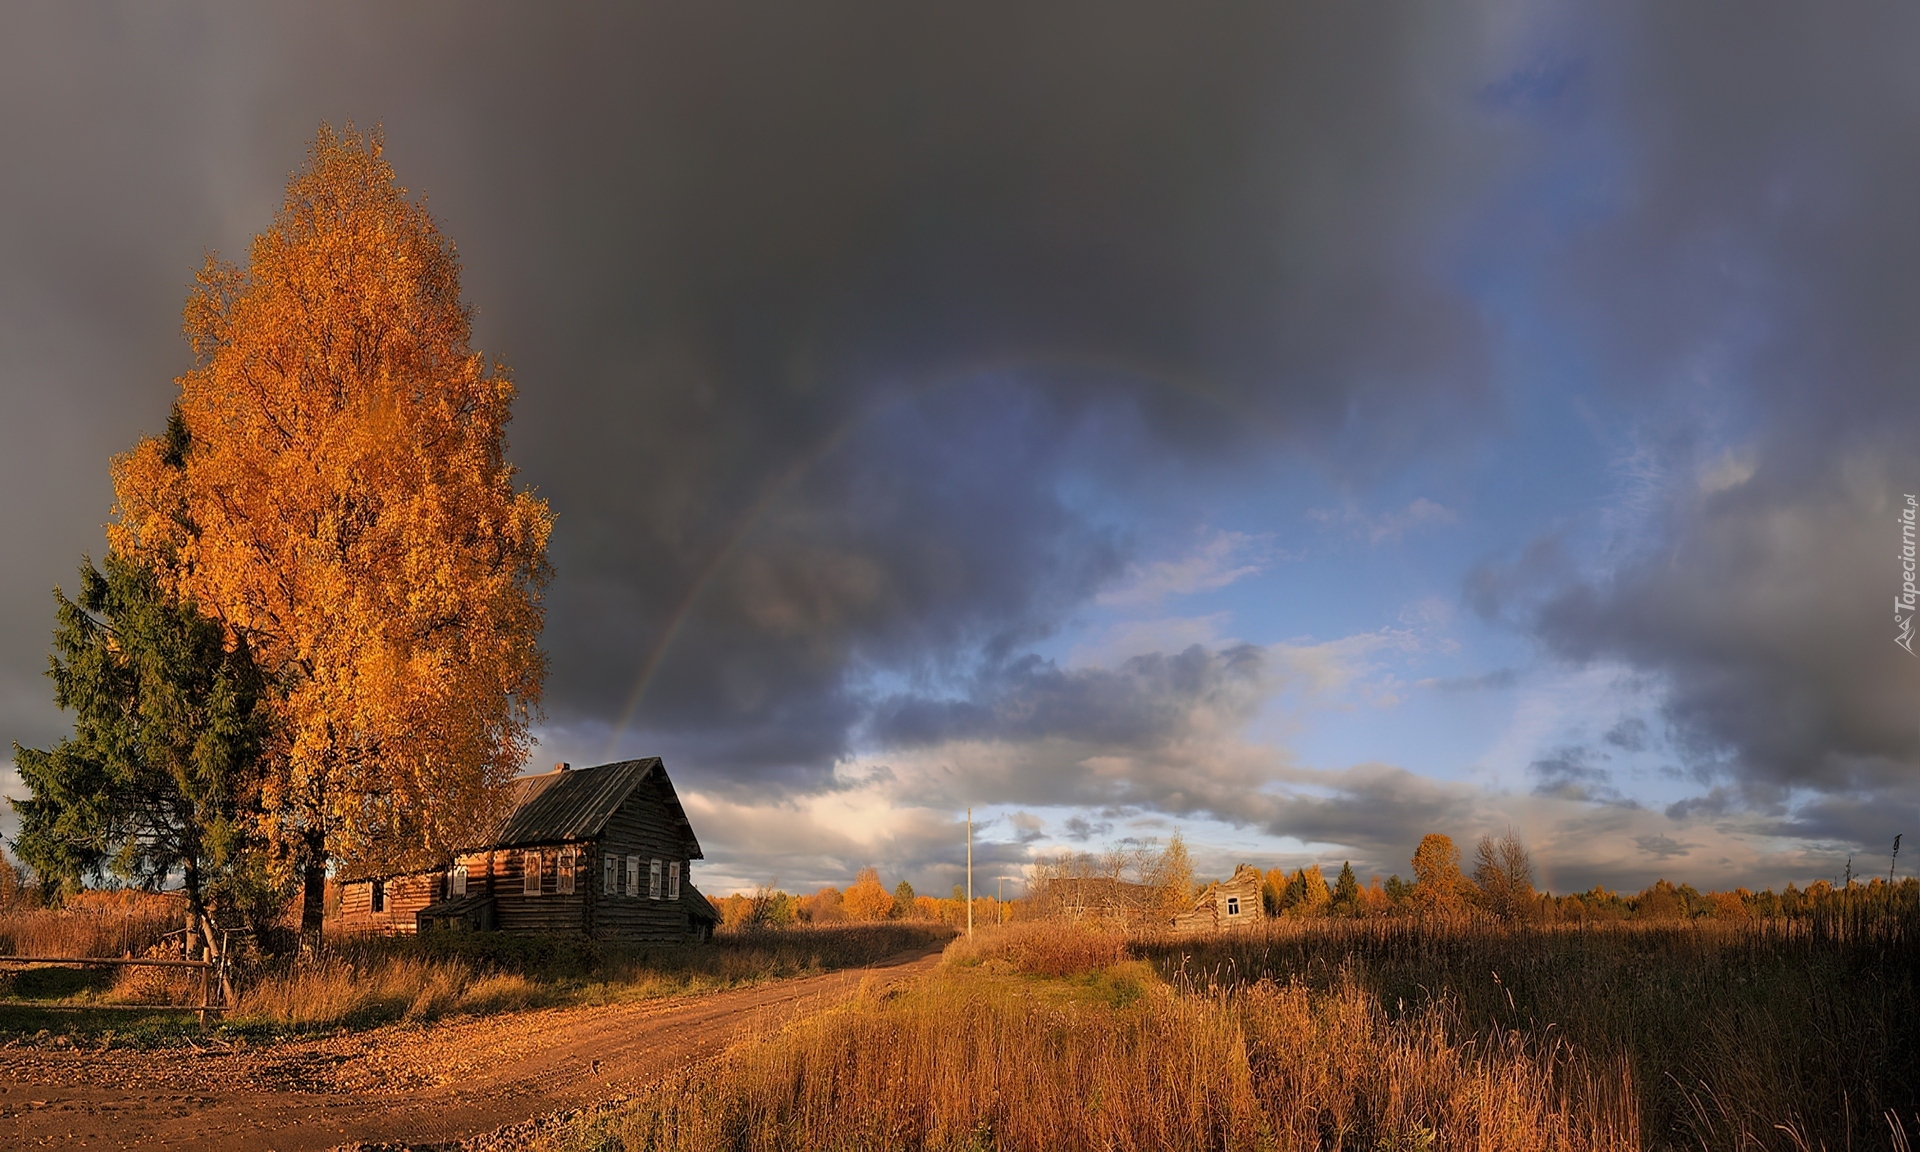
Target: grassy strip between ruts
{"type": "Point", "coordinates": [1369, 1036]}
{"type": "Point", "coordinates": [364, 983]}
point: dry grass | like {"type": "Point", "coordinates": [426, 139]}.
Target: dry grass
{"type": "Point", "coordinates": [331, 992]}
{"type": "Point", "coordinates": [368, 982]}
{"type": "Point", "coordinates": [1040, 948]}
{"type": "Point", "coordinates": [117, 923]}
{"type": "Point", "coordinates": [96, 924]}
{"type": "Point", "coordinates": [1739, 1035]}
{"type": "Point", "coordinates": [1339, 1035]}
{"type": "Point", "coordinates": [373, 981]}
{"type": "Point", "coordinates": [1100, 1054]}
{"type": "Point", "coordinates": [154, 986]}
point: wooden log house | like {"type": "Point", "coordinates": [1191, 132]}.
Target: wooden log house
{"type": "Point", "coordinates": [602, 850]}
{"type": "Point", "coordinates": [1225, 905]}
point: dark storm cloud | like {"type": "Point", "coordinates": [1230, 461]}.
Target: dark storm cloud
{"type": "Point", "coordinates": [1629, 735]}
{"type": "Point", "coordinates": [1769, 615]}
{"type": "Point", "coordinates": [1147, 701]}
{"type": "Point", "coordinates": [1379, 811]}
{"type": "Point", "coordinates": [1080, 829]}
{"type": "Point", "coordinates": [1662, 847]}
{"type": "Point", "coordinates": [1747, 286]}
{"type": "Point", "coordinates": [1570, 774]}
{"type": "Point", "coordinates": [814, 310]}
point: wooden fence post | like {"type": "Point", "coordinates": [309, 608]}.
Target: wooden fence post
{"type": "Point", "coordinates": [206, 974]}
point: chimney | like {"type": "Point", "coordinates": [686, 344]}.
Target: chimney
{"type": "Point", "coordinates": [562, 766]}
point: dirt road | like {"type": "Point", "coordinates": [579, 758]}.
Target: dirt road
{"type": "Point", "coordinates": [426, 1084]}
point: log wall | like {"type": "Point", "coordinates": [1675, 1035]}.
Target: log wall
{"type": "Point", "coordinates": [405, 895]}
{"type": "Point", "coordinates": [1226, 905]}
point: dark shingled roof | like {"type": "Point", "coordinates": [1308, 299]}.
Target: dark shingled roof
{"type": "Point", "coordinates": [553, 807]}
{"type": "Point", "coordinates": [575, 804]}
{"type": "Point", "coordinates": [698, 904]}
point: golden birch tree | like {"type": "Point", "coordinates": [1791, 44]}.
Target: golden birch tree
{"type": "Point", "coordinates": [866, 898]}
{"type": "Point", "coordinates": [1439, 886]}
{"type": "Point", "coordinates": [333, 486]}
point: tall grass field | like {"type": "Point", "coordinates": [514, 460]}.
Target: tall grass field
{"type": "Point", "coordinates": [1374, 1034]}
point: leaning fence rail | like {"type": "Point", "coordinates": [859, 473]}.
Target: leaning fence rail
{"type": "Point", "coordinates": [216, 977]}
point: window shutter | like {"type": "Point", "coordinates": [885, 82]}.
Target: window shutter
{"type": "Point", "coordinates": [459, 879]}
{"type": "Point", "coordinates": [633, 875]}
{"type": "Point", "coordinates": [653, 880]}
{"type": "Point", "coordinates": [673, 880]}
{"type": "Point", "coordinates": [530, 873]}
{"type": "Point", "coordinates": [610, 872]}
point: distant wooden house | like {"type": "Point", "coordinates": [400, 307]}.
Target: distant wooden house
{"type": "Point", "coordinates": [1225, 905]}
{"type": "Point", "coordinates": [598, 850]}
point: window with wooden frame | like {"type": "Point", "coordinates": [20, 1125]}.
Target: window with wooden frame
{"type": "Point", "coordinates": [609, 874]}
{"type": "Point", "coordinates": [379, 896]}
{"type": "Point", "coordinates": [457, 881]}
{"type": "Point", "coordinates": [673, 879]}
{"type": "Point", "coordinates": [633, 875]}
{"type": "Point", "coordinates": [564, 877]}
{"type": "Point", "coordinates": [1233, 905]}
{"type": "Point", "coordinates": [530, 869]}
{"type": "Point", "coordinates": [653, 880]}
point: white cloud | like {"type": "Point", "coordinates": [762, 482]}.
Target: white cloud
{"type": "Point", "coordinates": [1391, 525]}
{"type": "Point", "coordinates": [1221, 560]}
{"type": "Point", "coordinates": [1729, 470]}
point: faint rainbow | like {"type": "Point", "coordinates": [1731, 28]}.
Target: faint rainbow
{"type": "Point", "coordinates": [770, 495]}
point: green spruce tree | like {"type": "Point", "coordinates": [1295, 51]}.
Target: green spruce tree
{"type": "Point", "coordinates": [167, 731]}
{"type": "Point", "coordinates": [1346, 892]}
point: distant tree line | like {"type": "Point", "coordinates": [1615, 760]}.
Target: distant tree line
{"type": "Point", "coordinates": [1501, 887]}
{"type": "Point", "coordinates": [864, 901]}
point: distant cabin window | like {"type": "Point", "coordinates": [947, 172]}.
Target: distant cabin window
{"type": "Point", "coordinates": [673, 880]}
{"type": "Point", "coordinates": [653, 881]}
{"type": "Point", "coordinates": [610, 874]}
{"type": "Point", "coordinates": [633, 875]}
{"type": "Point", "coordinates": [530, 872]}
{"type": "Point", "coordinates": [379, 895]}
{"type": "Point", "coordinates": [1233, 905]}
{"type": "Point", "coordinates": [566, 871]}
{"type": "Point", "coordinates": [457, 884]}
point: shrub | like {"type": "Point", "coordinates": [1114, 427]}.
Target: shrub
{"type": "Point", "coordinates": [1042, 948]}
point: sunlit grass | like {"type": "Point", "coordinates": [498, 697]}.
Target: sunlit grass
{"type": "Point", "coordinates": [1015, 1043]}
{"type": "Point", "coordinates": [360, 983]}
{"type": "Point", "coordinates": [1375, 1035]}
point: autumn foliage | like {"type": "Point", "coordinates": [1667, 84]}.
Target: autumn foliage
{"type": "Point", "coordinates": [333, 486]}
{"type": "Point", "coordinates": [866, 898]}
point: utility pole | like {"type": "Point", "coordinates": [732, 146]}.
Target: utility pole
{"type": "Point", "coordinates": [969, 870]}
{"type": "Point", "coordinates": [1894, 859]}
